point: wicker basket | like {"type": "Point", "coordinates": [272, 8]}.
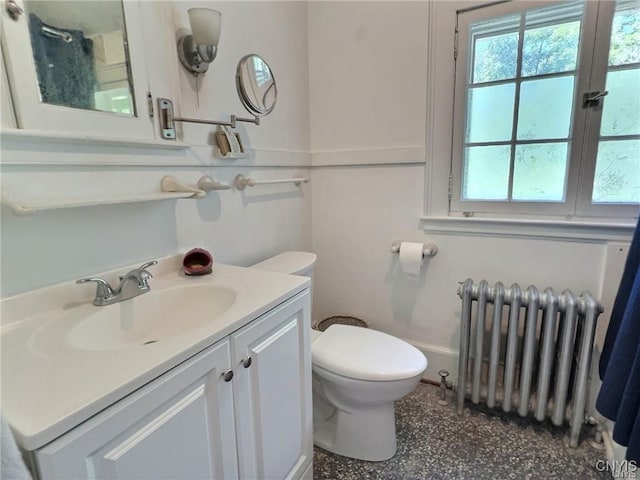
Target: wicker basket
{"type": "Point", "coordinates": [322, 325]}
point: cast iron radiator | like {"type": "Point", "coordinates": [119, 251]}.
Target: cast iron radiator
{"type": "Point", "coordinates": [527, 351]}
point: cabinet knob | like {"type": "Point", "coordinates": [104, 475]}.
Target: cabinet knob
{"type": "Point", "coordinates": [228, 375]}
{"type": "Point", "coordinates": [246, 362]}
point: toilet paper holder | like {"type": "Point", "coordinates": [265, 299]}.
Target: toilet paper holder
{"type": "Point", "coordinates": [429, 249]}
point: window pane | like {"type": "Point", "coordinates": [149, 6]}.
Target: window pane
{"type": "Point", "coordinates": [550, 49]}
{"type": "Point", "coordinates": [495, 58]}
{"type": "Point", "coordinates": [617, 177]}
{"type": "Point", "coordinates": [545, 108]}
{"type": "Point", "coordinates": [486, 173]}
{"type": "Point", "coordinates": [625, 36]}
{"type": "Point", "coordinates": [539, 172]}
{"type": "Point", "coordinates": [490, 113]}
{"type": "Point", "coordinates": [621, 113]}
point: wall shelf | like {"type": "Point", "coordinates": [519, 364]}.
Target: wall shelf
{"type": "Point", "coordinates": [46, 136]}
{"type": "Point", "coordinates": [170, 189]}
{"type": "Point", "coordinates": [30, 207]}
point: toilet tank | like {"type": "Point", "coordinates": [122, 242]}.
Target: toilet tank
{"type": "Point", "coordinates": [293, 263]}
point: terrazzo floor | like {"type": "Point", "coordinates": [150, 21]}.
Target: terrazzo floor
{"type": "Point", "coordinates": [435, 443]}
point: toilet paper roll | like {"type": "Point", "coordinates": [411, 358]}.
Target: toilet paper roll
{"type": "Point", "coordinates": [411, 258]}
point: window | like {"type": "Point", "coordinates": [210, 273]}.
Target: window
{"type": "Point", "coordinates": [547, 109]}
{"type": "Point", "coordinates": [263, 74]}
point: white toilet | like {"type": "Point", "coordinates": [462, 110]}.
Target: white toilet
{"type": "Point", "coordinates": [357, 375]}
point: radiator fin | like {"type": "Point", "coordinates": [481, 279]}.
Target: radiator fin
{"type": "Point", "coordinates": [541, 368]}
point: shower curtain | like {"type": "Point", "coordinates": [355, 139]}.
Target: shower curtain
{"type": "Point", "coordinates": [66, 72]}
{"type": "Point", "coordinates": [619, 397]}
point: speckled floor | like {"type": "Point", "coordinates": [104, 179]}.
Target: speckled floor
{"type": "Point", "coordinates": [435, 443]}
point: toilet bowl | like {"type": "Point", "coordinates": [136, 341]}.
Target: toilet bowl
{"type": "Point", "coordinates": [357, 375]}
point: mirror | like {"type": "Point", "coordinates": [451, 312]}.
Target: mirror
{"type": "Point", "coordinates": [256, 89]}
{"type": "Point", "coordinates": [256, 85]}
{"type": "Point", "coordinates": [81, 55]}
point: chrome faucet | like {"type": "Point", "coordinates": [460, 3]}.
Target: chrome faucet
{"type": "Point", "coordinates": [132, 284]}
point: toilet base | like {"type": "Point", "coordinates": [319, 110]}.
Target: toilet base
{"type": "Point", "coordinates": [366, 434]}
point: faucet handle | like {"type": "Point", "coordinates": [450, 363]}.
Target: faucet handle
{"type": "Point", "coordinates": [143, 274]}
{"type": "Point", "coordinates": [144, 266]}
{"type": "Point", "coordinates": [143, 278]}
{"type": "Point", "coordinates": [103, 289]}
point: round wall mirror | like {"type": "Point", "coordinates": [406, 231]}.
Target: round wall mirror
{"type": "Point", "coordinates": [256, 85]}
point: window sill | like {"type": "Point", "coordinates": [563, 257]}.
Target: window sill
{"type": "Point", "coordinates": [570, 230]}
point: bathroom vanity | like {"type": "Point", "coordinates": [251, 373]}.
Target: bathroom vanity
{"type": "Point", "coordinates": [214, 381]}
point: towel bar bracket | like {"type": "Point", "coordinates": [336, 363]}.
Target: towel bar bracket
{"type": "Point", "coordinates": [168, 120]}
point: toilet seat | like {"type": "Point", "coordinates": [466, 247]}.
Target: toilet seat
{"type": "Point", "coordinates": [365, 354]}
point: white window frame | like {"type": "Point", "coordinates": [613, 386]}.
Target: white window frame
{"type": "Point", "coordinates": [581, 168]}
{"type": "Point", "coordinates": [437, 218]}
{"type": "Point", "coordinates": [600, 67]}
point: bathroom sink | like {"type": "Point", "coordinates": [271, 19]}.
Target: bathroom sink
{"type": "Point", "coordinates": [151, 317]}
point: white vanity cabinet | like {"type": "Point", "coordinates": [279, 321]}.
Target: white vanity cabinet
{"type": "Point", "coordinates": [177, 426]}
{"type": "Point", "coordinates": [199, 421]}
{"type": "Point", "coordinates": [273, 394]}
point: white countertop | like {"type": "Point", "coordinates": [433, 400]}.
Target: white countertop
{"type": "Point", "coordinates": [49, 386]}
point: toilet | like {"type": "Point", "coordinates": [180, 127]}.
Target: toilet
{"type": "Point", "coordinates": [357, 375]}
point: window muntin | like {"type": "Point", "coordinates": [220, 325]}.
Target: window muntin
{"type": "Point", "coordinates": [486, 172]}
{"type": "Point", "coordinates": [520, 94]}
{"type": "Point", "coordinates": [617, 175]}
{"type": "Point", "coordinates": [550, 49]}
{"type": "Point", "coordinates": [545, 163]}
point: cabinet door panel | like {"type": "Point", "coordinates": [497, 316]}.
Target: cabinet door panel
{"type": "Point", "coordinates": [161, 439]}
{"type": "Point", "coordinates": [273, 395]}
{"type": "Point", "coordinates": [179, 426]}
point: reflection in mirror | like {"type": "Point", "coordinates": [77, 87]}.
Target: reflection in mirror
{"type": "Point", "coordinates": [256, 85]}
{"type": "Point", "coordinates": [81, 55]}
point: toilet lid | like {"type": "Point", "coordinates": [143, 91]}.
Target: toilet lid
{"type": "Point", "coordinates": [366, 354]}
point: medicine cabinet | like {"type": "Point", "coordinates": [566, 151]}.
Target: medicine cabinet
{"type": "Point", "coordinates": [77, 67]}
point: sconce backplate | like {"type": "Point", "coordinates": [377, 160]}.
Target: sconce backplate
{"type": "Point", "coordinates": [195, 58]}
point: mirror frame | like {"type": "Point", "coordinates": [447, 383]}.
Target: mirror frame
{"type": "Point", "coordinates": [32, 115]}
{"type": "Point", "coordinates": [242, 93]}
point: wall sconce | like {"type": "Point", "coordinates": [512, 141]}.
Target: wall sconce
{"type": "Point", "coordinates": [198, 49]}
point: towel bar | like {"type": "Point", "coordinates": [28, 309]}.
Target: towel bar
{"type": "Point", "coordinates": [241, 182]}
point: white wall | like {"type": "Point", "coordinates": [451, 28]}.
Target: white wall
{"type": "Point", "coordinates": [358, 211]}
{"type": "Point", "coordinates": [367, 71]}
{"type": "Point", "coordinates": [277, 31]}
{"type": "Point", "coordinates": [368, 189]}
{"type": "Point", "coordinates": [353, 83]}
{"type": "Point", "coordinates": [238, 227]}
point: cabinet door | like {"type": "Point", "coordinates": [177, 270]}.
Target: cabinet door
{"type": "Point", "coordinates": [178, 426]}
{"type": "Point", "coordinates": [83, 77]}
{"type": "Point", "coordinates": [273, 394]}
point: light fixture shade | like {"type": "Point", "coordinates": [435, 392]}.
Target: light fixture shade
{"type": "Point", "coordinates": [205, 25]}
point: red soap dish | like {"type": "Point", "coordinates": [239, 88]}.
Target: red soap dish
{"type": "Point", "coordinates": [197, 262]}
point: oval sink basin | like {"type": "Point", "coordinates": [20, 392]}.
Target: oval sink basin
{"type": "Point", "coordinates": [151, 317]}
